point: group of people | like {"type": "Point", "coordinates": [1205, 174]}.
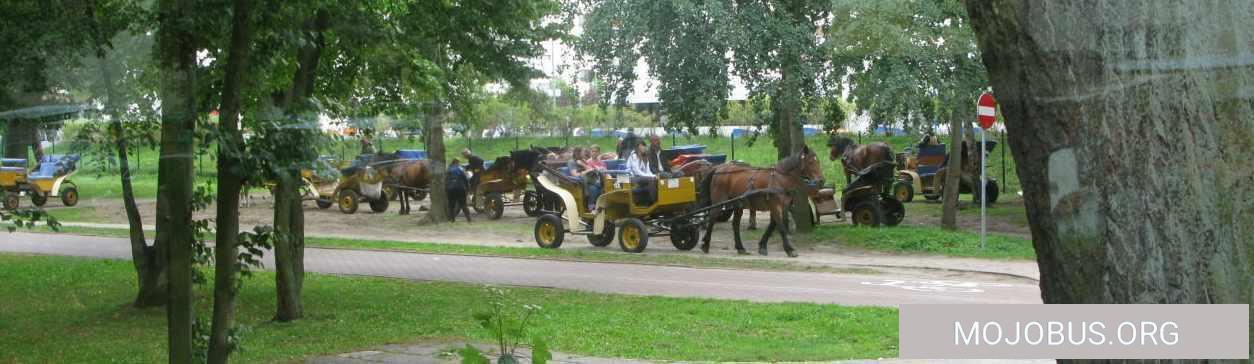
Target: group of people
{"type": "Point", "coordinates": [644, 165]}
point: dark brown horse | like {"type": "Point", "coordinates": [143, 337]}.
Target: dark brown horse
{"type": "Point", "coordinates": [771, 191]}
{"type": "Point", "coordinates": [412, 176]}
{"type": "Point", "coordinates": [854, 157]}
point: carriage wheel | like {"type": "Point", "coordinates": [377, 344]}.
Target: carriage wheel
{"type": "Point", "coordinates": [494, 205]}
{"type": "Point", "coordinates": [379, 205]}
{"type": "Point", "coordinates": [605, 237]}
{"type": "Point", "coordinates": [633, 236]}
{"type": "Point", "coordinates": [348, 201]}
{"type": "Point", "coordinates": [476, 202]}
{"type": "Point", "coordinates": [903, 191]}
{"type": "Point", "coordinates": [867, 213]}
{"type": "Point", "coordinates": [323, 203]}
{"type": "Point", "coordinates": [894, 211]}
{"type": "Point", "coordinates": [69, 196]}
{"type": "Point", "coordinates": [531, 204]}
{"type": "Point", "coordinates": [549, 232]}
{"type": "Point", "coordinates": [39, 199]}
{"type": "Point", "coordinates": [11, 200]}
{"type": "Point", "coordinates": [419, 195]}
{"type": "Point", "coordinates": [684, 237]}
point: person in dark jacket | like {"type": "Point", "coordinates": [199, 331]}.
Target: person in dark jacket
{"type": "Point", "coordinates": [474, 165]}
{"type": "Point", "coordinates": [455, 186]}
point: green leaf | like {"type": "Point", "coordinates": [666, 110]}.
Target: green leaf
{"type": "Point", "coordinates": [540, 351]}
{"type": "Point", "coordinates": [472, 355]}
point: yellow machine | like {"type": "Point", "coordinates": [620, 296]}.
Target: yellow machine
{"type": "Point", "coordinates": [667, 215]}
{"type": "Point", "coordinates": [51, 178]}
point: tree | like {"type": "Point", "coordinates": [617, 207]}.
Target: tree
{"type": "Point", "coordinates": [693, 49]}
{"type": "Point", "coordinates": [230, 180]}
{"type": "Point", "coordinates": [953, 176]}
{"type": "Point", "coordinates": [108, 23]}
{"type": "Point", "coordinates": [176, 58]}
{"type": "Point", "coordinates": [1123, 130]}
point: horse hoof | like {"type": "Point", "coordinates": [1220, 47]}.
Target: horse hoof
{"type": "Point", "coordinates": [705, 249]}
{"type": "Point", "coordinates": [761, 251]}
{"type": "Point", "coordinates": [792, 254]}
{"type": "Point", "coordinates": [742, 252]}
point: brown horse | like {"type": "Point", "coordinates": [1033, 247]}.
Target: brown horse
{"type": "Point", "coordinates": [771, 188]}
{"type": "Point", "coordinates": [854, 157]}
{"type": "Point", "coordinates": [413, 176]}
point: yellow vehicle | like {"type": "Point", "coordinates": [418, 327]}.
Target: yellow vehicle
{"type": "Point", "coordinates": [668, 214]}
{"type": "Point", "coordinates": [347, 187]}
{"type": "Point", "coordinates": [50, 178]}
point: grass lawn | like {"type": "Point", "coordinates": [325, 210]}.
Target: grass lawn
{"type": "Point", "coordinates": [925, 240]}
{"type": "Point", "coordinates": [59, 309]}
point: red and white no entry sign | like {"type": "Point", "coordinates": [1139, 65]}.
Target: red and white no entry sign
{"type": "Point", "coordinates": [986, 110]}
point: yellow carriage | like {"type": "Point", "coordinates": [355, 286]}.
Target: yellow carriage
{"type": "Point", "coordinates": [50, 178]}
{"type": "Point", "coordinates": [669, 213]}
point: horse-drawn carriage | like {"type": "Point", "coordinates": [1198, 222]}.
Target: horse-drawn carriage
{"type": "Point", "coordinates": [638, 214]}
{"type": "Point", "coordinates": [505, 176]}
{"type": "Point", "coordinates": [924, 173]}
{"type": "Point", "coordinates": [869, 197]}
{"type": "Point", "coordinates": [347, 187]}
{"type": "Point", "coordinates": [51, 178]}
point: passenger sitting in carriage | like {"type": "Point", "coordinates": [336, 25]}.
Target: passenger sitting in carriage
{"type": "Point", "coordinates": [643, 181]}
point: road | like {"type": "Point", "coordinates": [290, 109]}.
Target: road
{"type": "Point", "coordinates": [759, 286]}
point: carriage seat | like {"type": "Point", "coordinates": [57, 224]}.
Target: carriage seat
{"type": "Point", "coordinates": [13, 163]}
{"type": "Point", "coordinates": [56, 165]}
{"type": "Point", "coordinates": [931, 159]}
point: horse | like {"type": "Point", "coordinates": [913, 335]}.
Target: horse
{"type": "Point", "coordinates": [771, 188]}
{"type": "Point", "coordinates": [854, 157]}
{"type": "Point", "coordinates": [411, 175]}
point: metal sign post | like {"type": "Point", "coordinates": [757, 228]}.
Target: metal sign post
{"type": "Point", "coordinates": [986, 114]}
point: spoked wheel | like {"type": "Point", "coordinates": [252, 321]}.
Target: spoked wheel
{"type": "Point", "coordinates": [531, 204]}
{"type": "Point", "coordinates": [476, 202]}
{"type": "Point", "coordinates": [894, 211]}
{"type": "Point", "coordinates": [867, 213]}
{"type": "Point", "coordinates": [494, 205]}
{"type": "Point", "coordinates": [684, 236]}
{"type": "Point", "coordinates": [379, 205]}
{"type": "Point", "coordinates": [11, 201]}
{"type": "Point", "coordinates": [633, 236]}
{"type": "Point", "coordinates": [549, 232]}
{"type": "Point", "coordinates": [605, 237]}
{"type": "Point", "coordinates": [39, 199]}
{"type": "Point", "coordinates": [347, 200]}
{"type": "Point", "coordinates": [903, 191]}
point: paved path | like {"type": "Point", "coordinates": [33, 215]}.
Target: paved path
{"type": "Point", "coordinates": [761, 286]}
{"type": "Point", "coordinates": [839, 258]}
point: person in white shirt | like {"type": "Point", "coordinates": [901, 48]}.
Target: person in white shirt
{"type": "Point", "coordinates": [643, 181]}
{"type": "Point", "coordinates": [638, 162]}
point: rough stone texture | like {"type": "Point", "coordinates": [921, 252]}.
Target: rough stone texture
{"type": "Point", "coordinates": [1131, 123]}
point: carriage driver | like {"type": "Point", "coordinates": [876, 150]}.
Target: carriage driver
{"type": "Point", "coordinates": [643, 180]}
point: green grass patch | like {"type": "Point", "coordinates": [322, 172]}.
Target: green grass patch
{"type": "Point", "coordinates": [70, 310]}
{"type": "Point", "coordinates": [926, 240]}
{"type": "Point", "coordinates": [1008, 209]}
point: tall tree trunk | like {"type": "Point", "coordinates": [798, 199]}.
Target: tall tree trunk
{"type": "Point", "coordinates": [1130, 122]}
{"type": "Point", "coordinates": [790, 138]}
{"type": "Point", "coordinates": [148, 260]}
{"type": "Point", "coordinates": [953, 175]}
{"type": "Point", "coordinates": [433, 136]}
{"type": "Point", "coordinates": [289, 214]}
{"type": "Point", "coordinates": [175, 173]}
{"type": "Point", "coordinates": [230, 149]}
